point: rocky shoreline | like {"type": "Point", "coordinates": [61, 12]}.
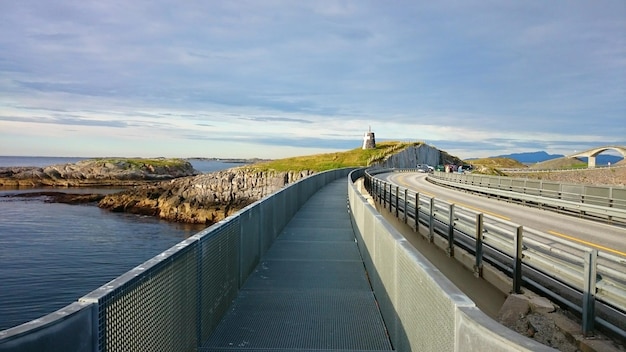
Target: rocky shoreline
{"type": "Point", "coordinates": [202, 199]}
{"type": "Point", "coordinates": [169, 189]}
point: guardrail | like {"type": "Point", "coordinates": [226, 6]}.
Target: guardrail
{"type": "Point", "coordinates": [588, 281]}
{"type": "Point", "coordinates": [532, 171]}
{"type": "Point", "coordinates": [608, 203]}
{"type": "Point", "coordinates": [173, 301]}
{"type": "Point", "coordinates": [422, 309]}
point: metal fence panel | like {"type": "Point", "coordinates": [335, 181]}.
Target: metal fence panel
{"type": "Point", "coordinates": [426, 311]}
{"type": "Point", "coordinates": [619, 198]}
{"type": "Point", "coordinates": [597, 195]}
{"type": "Point", "coordinates": [75, 320]}
{"type": "Point", "coordinates": [385, 266]}
{"type": "Point", "coordinates": [154, 311]}
{"type": "Point", "coordinates": [550, 189]}
{"type": "Point", "coordinates": [251, 236]}
{"type": "Point", "coordinates": [267, 224]}
{"type": "Point", "coordinates": [533, 187]}
{"type": "Point", "coordinates": [505, 183]}
{"type": "Point", "coordinates": [219, 276]}
{"type": "Point", "coordinates": [517, 185]}
{"type": "Point", "coordinates": [571, 192]}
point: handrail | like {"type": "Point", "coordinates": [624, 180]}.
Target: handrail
{"type": "Point", "coordinates": [529, 171]}
{"type": "Point", "coordinates": [558, 267]}
{"type": "Point", "coordinates": [562, 196]}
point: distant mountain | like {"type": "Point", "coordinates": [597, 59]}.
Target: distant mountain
{"type": "Point", "coordinates": [531, 157]}
{"type": "Point", "coordinates": [537, 157]}
{"type": "Point", "coordinates": [605, 159]}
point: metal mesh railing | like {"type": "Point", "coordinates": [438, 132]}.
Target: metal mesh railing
{"type": "Point", "coordinates": [219, 279]}
{"type": "Point", "coordinates": [154, 312]}
{"type": "Point", "coordinates": [173, 301]}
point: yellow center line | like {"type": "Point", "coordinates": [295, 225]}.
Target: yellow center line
{"type": "Point", "coordinates": [480, 210]}
{"type": "Point", "coordinates": [587, 243]}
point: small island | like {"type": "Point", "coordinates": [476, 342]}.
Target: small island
{"type": "Point", "coordinates": [103, 172]}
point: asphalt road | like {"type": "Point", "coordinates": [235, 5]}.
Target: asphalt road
{"type": "Point", "coordinates": [603, 236]}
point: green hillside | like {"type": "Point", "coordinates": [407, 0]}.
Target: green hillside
{"type": "Point", "coordinates": [322, 162]}
{"type": "Point", "coordinates": [498, 163]}
{"type": "Point", "coordinates": [560, 163]}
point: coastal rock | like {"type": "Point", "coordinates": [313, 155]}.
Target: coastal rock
{"type": "Point", "coordinates": [60, 197]}
{"type": "Point", "coordinates": [201, 199]}
{"type": "Point", "coordinates": [97, 172]}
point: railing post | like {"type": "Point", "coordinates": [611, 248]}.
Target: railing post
{"type": "Point", "coordinates": [384, 200]}
{"type": "Point", "coordinates": [517, 264]}
{"type": "Point", "coordinates": [417, 211]}
{"type": "Point", "coordinates": [478, 266]}
{"type": "Point", "coordinates": [450, 250]}
{"type": "Point", "coordinates": [397, 201]}
{"type": "Point", "coordinates": [589, 292]}
{"type": "Point", "coordinates": [431, 221]}
{"type": "Point", "coordinates": [406, 217]}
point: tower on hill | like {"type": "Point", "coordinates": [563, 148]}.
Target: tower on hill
{"type": "Point", "coordinates": [369, 142]}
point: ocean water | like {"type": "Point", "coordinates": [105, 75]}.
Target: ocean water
{"type": "Point", "coordinates": [51, 254]}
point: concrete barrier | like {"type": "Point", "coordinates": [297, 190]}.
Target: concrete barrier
{"type": "Point", "coordinates": [423, 310]}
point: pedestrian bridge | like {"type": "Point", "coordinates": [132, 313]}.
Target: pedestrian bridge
{"type": "Point", "coordinates": [312, 267]}
{"type": "Point", "coordinates": [592, 153]}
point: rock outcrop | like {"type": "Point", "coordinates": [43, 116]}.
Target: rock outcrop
{"type": "Point", "coordinates": [202, 199]}
{"type": "Point", "coordinates": [420, 154]}
{"type": "Point", "coordinates": [97, 173]}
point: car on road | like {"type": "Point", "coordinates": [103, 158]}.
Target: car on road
{"type": "Point", "coordinates": [424, 168]}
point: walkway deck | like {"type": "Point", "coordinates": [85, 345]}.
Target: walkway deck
{"type": "Point", "coordinates": [310, 292]}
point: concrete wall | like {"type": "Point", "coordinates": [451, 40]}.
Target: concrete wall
{"type": "Point", "coordinates": [410, 157]}
{"type": "Point", "coordinates": [422, 309]}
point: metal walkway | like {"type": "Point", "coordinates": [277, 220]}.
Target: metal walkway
{"type": "Point", "coordinates": [310, 292]}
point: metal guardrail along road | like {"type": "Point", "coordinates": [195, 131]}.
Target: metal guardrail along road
{"type": "Point", "coordinates": [588, 281]}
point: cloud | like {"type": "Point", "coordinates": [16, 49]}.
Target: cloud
{"type": "Point", "coordinates": [475, 75]}
{"type": "Point", "coordinates": [70, 121]}
{"type": "Point", "coordinates": [277, 119]}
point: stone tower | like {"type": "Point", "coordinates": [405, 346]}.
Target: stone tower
{"type": "Point", "coordinates": [369, 142]}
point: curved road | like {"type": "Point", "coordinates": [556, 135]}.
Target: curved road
{"type": "Point", "coordinates": [605, 237]}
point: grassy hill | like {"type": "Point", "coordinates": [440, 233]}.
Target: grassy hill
{"type": "Point", "coordinates": [498, 163]}
{"type": "Point", "coordinates": [321, 162]}
{"type": "Point", "coordinates": [560, 163]}
{"type": "Point", "coordinates": [492, 166]}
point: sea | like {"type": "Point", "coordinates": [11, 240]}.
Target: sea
{"type": "Point", "coordinates": [51, 254]}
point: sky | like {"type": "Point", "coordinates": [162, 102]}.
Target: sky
{"type": "Point", "coordinates": [273, 78]}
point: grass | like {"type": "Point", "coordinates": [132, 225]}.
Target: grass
{"type": "Point", "coordinates": [561, 163]}
{"type": "Point", "coordinates": [322, 162]}
{"type": "Point", "coordinates": [504, 163]}
{"type": "Point", "coordinates": [137, 163]}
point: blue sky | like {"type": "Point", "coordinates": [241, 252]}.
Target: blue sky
{"type": "Point", "coordinates": [273, 78]}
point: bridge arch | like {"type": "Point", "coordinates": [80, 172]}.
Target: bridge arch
{"type": "Point", "coordinates": [592, 153]}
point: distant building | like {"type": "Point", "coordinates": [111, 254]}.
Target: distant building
{"type": "Point", "coordinates": [369, 142]}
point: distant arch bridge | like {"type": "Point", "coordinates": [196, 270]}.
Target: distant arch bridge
{"type": "Point", "coordinates": [592, 153]}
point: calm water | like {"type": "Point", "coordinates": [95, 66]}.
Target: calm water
{"type": "Point", "coordinates": [53, 254]}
